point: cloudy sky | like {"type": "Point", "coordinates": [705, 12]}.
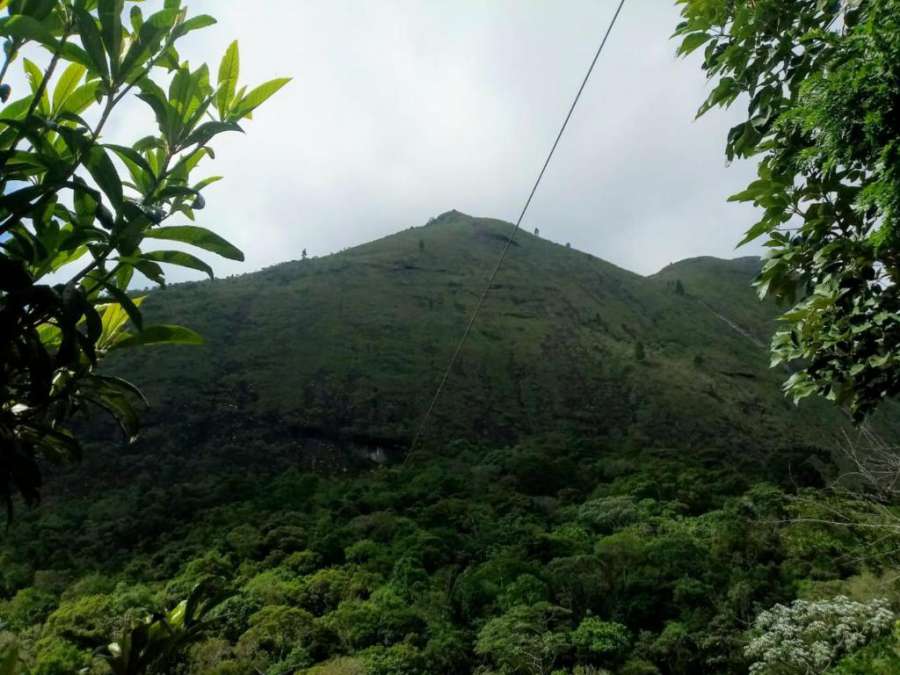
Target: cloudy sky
{"type": "Point", "coordinates": [400, 110]}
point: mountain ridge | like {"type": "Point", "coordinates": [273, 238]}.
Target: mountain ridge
{"type": "Point", "coordinates": [352, 345]}
{"type": "Point", "coordinates": [446, 217]}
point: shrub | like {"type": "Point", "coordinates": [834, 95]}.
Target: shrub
{"type": "Point", "coordinates": [609, 514]}
{"type": "Point", "coordinates": [527, 639]}
{"type": "Point", "coordinates": [604, 639]}
{"type": "Point", "coordinates": [399, 659]}
{"type": "Point", "coordinates": [275, 632]}
{"type": "Point", "coordinates": [384, 619]}
{"type": "Point", "coordinates": [527, 589]}
{"type": "Point", "coordinates": [27, 607]}
{"type": "Point", "coordinates": [274, 587]}
{"type": "Point", "coordinates": [343, 665]}
{"type": "Point", "coordinates": [59, 657]}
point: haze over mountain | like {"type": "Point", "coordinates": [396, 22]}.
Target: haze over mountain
{"type": "Point", "coordinates": [350, 347]}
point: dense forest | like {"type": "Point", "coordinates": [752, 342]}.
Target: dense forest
{"type": "Point", "coordinates": [393, 461]}
{"type": "Point", "coordinates": [579, 549]}
{"type": "Point", "coordinates": [553, 555]}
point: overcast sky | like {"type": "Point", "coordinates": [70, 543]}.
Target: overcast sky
{"type": "Point", "coordinates": [400, 110]}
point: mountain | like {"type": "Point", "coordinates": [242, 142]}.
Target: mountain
{"type": "Point", "coordinates": [347, 350]}
{"type": "Point", "coordinates": [611, 482]}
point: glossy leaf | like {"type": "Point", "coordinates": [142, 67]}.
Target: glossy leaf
{"type": "Point", "coordinates": [199, 237]}
{"type": "Point", "coordinates": [92, 42]}
{"type": "Point", "coordinates": [229, 72]}
{"type": "Point", "coordinates": [104, 172]}
{"type": "Point", "coordinates": [194, 23]}
{"type": "Point", "coordinates": [159, 335]}
{"type": "Point", "coordinates": [258, 96]}
{"type": "Point", "coordinates": [21, 27]}
{"type": "Point", "coordinates": [179, 258]}
{"type": "Point", "coordinates": [110, 12]}
{"type": "Point", "coordinates": [67, 85]}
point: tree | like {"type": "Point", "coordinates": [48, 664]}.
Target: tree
{"type": "Point", "coordinates": [74, 206]}
{"type": "Point", "coordinates": [810, 636]}
{"type": "Point", "coordinates": [822, 78]}
{"type": "Point", "coordinates": [603, 640]}
{"type": "Point", "coordinates": [303, 254]}
{"type": "Point", "coordinates": [679, 287]}
{"type": "Point", "coordinates": [639, 352]}
{"type": "Point", "coordinates": [526, 639]}
{"type": "Point", "coordinates": [421, 246]}
{"type": "Point", "coordinates": [537, 232]}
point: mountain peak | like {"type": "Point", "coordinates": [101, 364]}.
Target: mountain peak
{"type": "Point", "coordinates": [350, 345]}
{"type": "Point", "coordinates": [452, 215]}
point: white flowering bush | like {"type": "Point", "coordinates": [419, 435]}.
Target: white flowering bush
{"type": "Point", "coordinates": [807, 637]}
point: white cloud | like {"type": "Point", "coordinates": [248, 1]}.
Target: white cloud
{"type": "Point", "coordinates": [402, 109]}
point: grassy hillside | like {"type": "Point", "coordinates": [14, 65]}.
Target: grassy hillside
{"type": "Point", "coordinates": [351, 346]}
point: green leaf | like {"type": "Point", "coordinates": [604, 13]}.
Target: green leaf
{"type": "Point", "coordinates": [179, 258]}
{"type": "Point", "coordinates": [199, 237]}
{"type": "Point", "coordinates": [160, 334]}
{"type": "Point", "coordinates": [93, 42]}
{"type": "Point", "coordinates": [80, 99]}
{"type": "Point", "coordinates": [755, 232]}
{"type": "Point", "coordinates": [127, 304]}
{"type": "Point", "coordinates": [111, 23]}
{"type": "Point", "coordinates": [104, 172]}
{"type": "Point", "coordinates": [693, 42]}
{"type": "Point", "coordinates": [206, 181]}
{"type": "Point", "coordinates": [86, 200]}
{"type": "Point", "coordinates": [114, 320]}
{"type": "Point", "coordinates": [151, 270]}
{"type": "Point", "coordinates": [113, 395]}
{"type": "Point", "coordinates": [35, 78]}
{"type": "Point", "coordinates": [21, 27]}
{"type": "Point", "coordinates": [123, 386]}
{"type": "Point", "coordinates": [75, 54]}
{"type": "Point", "coordinates": [16, 110]}
{"type": "Point", "coordinates": [58, 446]}
{"type": "Point", "coordinates": [67, 84]}
{"type": "Point", "coordinates": [229, 71]}
{"type": "Point", "coordinates": [137, 19]}
{"type": "Point", "coordinates": [194, 23]}
{"type": "Point", "coordinates": [18, 199]}
{"type": "Point", "coordinates": [63, 258]}
{"type": "Point", "coordinates": [134, 157]}
{"type": "Point", "coordinates": [156, 98]}
{"type": "Point", "coordinates": [148, 39]}
{"type": "Point", "coordinates": [208, 130]}
{"type": "Point", "coordinates": [259, 96]}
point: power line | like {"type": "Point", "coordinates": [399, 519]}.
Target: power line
{"type": "Point", "coordinates": [509, 240]}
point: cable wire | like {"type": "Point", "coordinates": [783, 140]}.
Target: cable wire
{"type": "Point", "coordinates": [509, 241]}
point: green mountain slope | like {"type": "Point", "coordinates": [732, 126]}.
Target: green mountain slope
{"type": "Point", "coordinates": [350, 347]}
{"type": "Point", "coordinates": [607, 512]}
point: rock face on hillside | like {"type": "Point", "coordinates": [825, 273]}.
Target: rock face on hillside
{"type": "Point", "coordinates": [346, 350]}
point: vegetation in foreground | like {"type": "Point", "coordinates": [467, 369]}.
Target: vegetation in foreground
{"type": "Point", "coordinates": [821, 80]}
{"type": "Point", "coordinates": [549, 556]}
{"type": "Point", "coordinates": [78, 214]}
